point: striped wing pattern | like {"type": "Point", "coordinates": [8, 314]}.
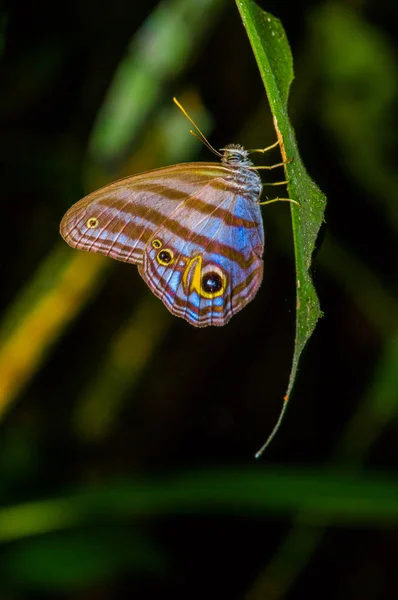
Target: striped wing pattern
{"type": "Point", "coordinates": [194, 230]}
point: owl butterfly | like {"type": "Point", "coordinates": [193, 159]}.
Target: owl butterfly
{"type": "Point", "coordinates": [194, 230]}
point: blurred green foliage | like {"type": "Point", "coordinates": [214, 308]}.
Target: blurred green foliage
{"type": "Point", "coordinates": [127, 437]}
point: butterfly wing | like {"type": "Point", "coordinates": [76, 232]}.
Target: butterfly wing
{"type": "Point", "coordinates": [195, 233]}
{"type": "Point", "coordinates": [205, 261]}
{"type": "Point", "coordinates": [119, 219]}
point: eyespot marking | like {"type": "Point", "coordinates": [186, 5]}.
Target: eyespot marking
{"type": "Point", "coordinates": [209, 281]}
{"type": "Point", "coordinates": [156, 244]}
{"type": "Point", "coordinates": [213, 282]}
{"type": "Point", "coordinates": [165, 257]}
{"type": "Point", "coordinates": [92, 223]}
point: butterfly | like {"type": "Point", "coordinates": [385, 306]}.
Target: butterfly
{"type": "Point", "coordinates": [195, 231]}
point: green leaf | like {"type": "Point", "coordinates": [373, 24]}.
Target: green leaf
{"type": "Point", "coordinates": [274, 59]}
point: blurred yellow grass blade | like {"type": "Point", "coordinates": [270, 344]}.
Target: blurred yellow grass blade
{"type": "Point", "coordinates": [100, 402]}
{"type": "Point", "coordinates": [63, 283]}
{"type": "Point", "coordinates": [67, 279]}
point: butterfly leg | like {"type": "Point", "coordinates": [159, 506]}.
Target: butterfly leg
{"type": "Point", "coordinates": [269, 167]}
{"type": "Point", "coordinates": [280, 200]}
{"type": "Point", "coordinates": [277, 183]}
{"type": "Point", "coordinates": [264, 150]}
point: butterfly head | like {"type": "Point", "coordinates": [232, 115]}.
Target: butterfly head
{"type": "Point", "coordinates": [235, 155]}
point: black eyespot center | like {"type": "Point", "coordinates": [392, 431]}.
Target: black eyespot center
{"type": "Point", "coordinates": [165, 256]}
{"type": "Point", "coordinates": [212, 282]}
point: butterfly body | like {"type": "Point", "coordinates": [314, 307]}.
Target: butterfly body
{"type": "Point", "coordinates": [194, 230]}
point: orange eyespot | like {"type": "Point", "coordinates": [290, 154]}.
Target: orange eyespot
{"type": "Point", "coordinates": [157, 244]}
{"type": "Point", "coordinates": [92, 223]}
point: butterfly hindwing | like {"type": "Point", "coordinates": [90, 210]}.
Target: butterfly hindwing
{"type": "Point", "coordinates": [205, 261]}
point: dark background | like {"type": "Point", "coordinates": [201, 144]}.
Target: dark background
{"type": "Point", "coordinates": [104, 395]}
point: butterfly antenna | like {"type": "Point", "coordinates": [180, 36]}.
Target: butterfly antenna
{"type": "Point", "coordinates": [201, 137]}
{"type": "Point", "coordinates": [275, 429]}
{"type": "Point", "coordinates": [205, 142]}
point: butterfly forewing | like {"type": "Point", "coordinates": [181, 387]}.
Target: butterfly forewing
{"type": "Point", "coordinates": [119, 219]}
{"type": "Point", "coordinates": [195, 231]}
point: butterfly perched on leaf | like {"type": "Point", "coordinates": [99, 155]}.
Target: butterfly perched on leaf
{"type": "Point", "coordinates": [194, 229]}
